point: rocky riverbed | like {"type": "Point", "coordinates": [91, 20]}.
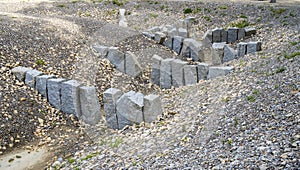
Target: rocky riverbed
{"type": "Point", "coordinates": [246, 120]}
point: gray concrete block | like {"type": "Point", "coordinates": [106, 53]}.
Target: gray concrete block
{"type": "Point", "coordinates": [166, 73]}
{"type": "Point", "coordinates": [190, 74]}
{"type": "Point", "coordinates": [242, 49]}
{"type": "Point", "coordinates": [54, 92]}
{"type": "Point", "coordinates": [172, 32]}
{"type": "Point", "coordinates": [229, 54]}
{"type": "Point", "coordinates": [152, 107]}
{"type": "Point", "coordinates": [253, 47]}
{"type": "Point", "coordinates": [110, 97]}
{"type": "Point", "coordinates": [218, 71]}
{"type": "Point", "coordinates": [130, 106]}
{"type": "Point", "coordinates": [241, 33]}
{"type": "Point", "coordinates": [192, 49]}
{"type": "Point", "coordinates": [177, 72]}
{"type": "Point", "coordinates": [224, 35]}
{"type": "Point", "coordinates": [155, 69]}
{"type": "Point", "coordinates": [168, 42]}
{"type": "Point", "coordinates": [232, 34]}
{"type": "Point", "coordinates": [30, 77]}
{"type": "Point", "coordinates": [250, 31]}
{"type": "Point", "coordinates": [177, 44]}
{"type": "Point", "coordinates": [132, 66]}
{"type": "Point", "coordinates": [208, 37]}
{"type": "Point", "coordinates": [117, 58]}
{"type": "Point", "coordinates": [89, 104]}
{"type": "Point", "coordinates": [154, 29]}
{"type": "Point", "coordinates": [41, 84]}
{"type": "Point", "coordinates": [102, 50]}
{"type": "Point", "coordinates": [218, 53]}
{"type": "Point", "coordinates": [182, 32]}
{"type": "Point", "coordinates": [216, 35]}
{"type": "Point", "coordinates": [202, 69]}
{"type": "Point", "coordinates": [20, 72]}
{"type": "Point", "coordinates": [70, 102]}
{"type": "Point", "coordinates": [159, 37]}
{"type": "Point", "coordinates": [149, 35]}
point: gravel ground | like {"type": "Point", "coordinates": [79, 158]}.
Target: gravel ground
{"type": "Point", "coordinates": [246, 120]}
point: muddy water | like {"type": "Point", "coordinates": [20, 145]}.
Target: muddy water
{"type": "Point", "coordinates": [24, 160]}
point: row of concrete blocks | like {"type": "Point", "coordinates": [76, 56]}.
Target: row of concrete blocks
{"type": "Point", "coordinates": [174, 72]}
{"type": "Point", "coordinates": [130, 108]}
{"type": "Point", "coordinates": [124, 62]}
{"type": "Point", "coordinates": [231, 35]}
{"type": "Point", "coordinates": [69, 96]}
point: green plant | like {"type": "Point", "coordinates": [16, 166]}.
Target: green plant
{"type": "Point", "coordinates": [280, 70]}
{"type": "Point", "coordinates": [292, 14]}
{"type": "Point", "coordinates": [258, 19]}
{"type": "Point", "coordinates": [251, 98]}
{"type": "Point", "coordinates": [187, 11]}
{"type": "Point", "coordinates": [71, 160]}
{"type": "Point", "coordinates": [89, 156]}
{"type": "Point", "coordinates": [236, 121]}
{"type": "Point", "coordinates": [278, 11]}
{"type": "Point", "coordinates": [207, 18]}
{"type": "Point", "coordinates": [40, 62]}
{"type": "Point", "coordinates": [118, 3]}
{"type": "Point", "coordinates": [75, 1]}
{"type": "Point", "coordinates": [243, 16]}
{"type": "Point", "coordinates": [241, 24]}
{"type": "Point", "coordinates": [256, 92]}
{"type": "Point", "coordinates": [293, 43]}
{"type": "Point", "coordinates": [153, 15]}
{"type": "Point", "coordinates": [292, 55]}
{"type": "Point", "coordinates": [223, 7]}
{"type": "Point", "coordinates": [229, 141]}
{"type": "Point", "coordinates": [61, 5]}
{"type": "Point", "coordinates": [116, 143]}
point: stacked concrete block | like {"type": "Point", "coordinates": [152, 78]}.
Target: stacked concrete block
{"type": "Point", "coordinates": [177, 44]}
{"type": "Point", "coordinates": [132, 66]}
{"type": "Point", "coordinates": [41, 84]}
{"type": "Point", "coordinates": [190, 74]}
{"type": "Point", "coordinates": [241, 33]}
{"type": "Point", "coordinates": [166, 73]}
{"type": "Point", "coordinates": [202, 69]}
{"type": "Point", "coordinates": [152, 107]}
{"type": "Point", "coordinates": [172, 32]}
{"type": "Point", "coordinates": [177, 72]}
{"type": "Point", "coordinates": [192, 49]}
{"type": "Point", "coordinates": [253, 47]}
{"type": "Point", "coordinates": [208, 36]}
{"type": "Point", "coordinates": [218, 71]}
{"type": "Point", "coordinates": [232, 34]}
{"type": "Point", "coordinates": [218, 53]}
{"type": "Point", "coordinates": [182, 32]}
{"type": "Point", "coordinates": [110, 97]}
{"type": "Point", "coordinates": [159, 37]}
{"type": "Point", "coordinates": [70, 102]}
{"type": "Point", "coordinates": [217, 35]}
{"type": "Point", "coordinates": [168, 42]}
{"type": "Point", "coordinates": [242, 49]}
{"type": "Point", "coordinates": [117, 58]}
{"type": "Point", "coordinates": [130, 109]}
{"type": "Point", "coordinates": [229, 54]}
{"type": "Point", "coordinates": [155, 72]}
{"type": "Point", "coordinates": [250, 31]}
{"type": "Point", "coordinates": [89, 104]}
{"type": "Point", "coordinates": [30, 77]}
{"type": "Point", "coordinates": [224, 35]}
{"type": "Point", "coordinates": [54, 92]}
{"type": "Point", "coordinates": [20, 72]}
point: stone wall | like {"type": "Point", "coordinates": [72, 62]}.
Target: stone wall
{"type": "Point", "coordinates": [130, 108]}
{"type": "Point", "coordinates": [69, 96]}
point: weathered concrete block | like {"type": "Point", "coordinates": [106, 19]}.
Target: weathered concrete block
{"type": "Point", "coordinates": [70, 102]}
{"type": "Point", "coordinates": [216, 34]}
{"type": "Point", "coordinates": [41, 84]}
{"type": "Point", "coordinates": [193, 49]}
{"type": "Point", "coordinates": [110, 97]}
{"type": "Point", "coordinates": [159, 37]}
{"type": "Point", "coordinates": [20, 72]}
{"type": "Point", "coordinates": [190, 74]}
{"type": "Point", "coordinates": [152, 107]}
{"type": "Point", "coordinates": [102, 50]}
{"type": "Point", "coordinates": [253, 47]}
{"type": "Point", "coordinates": [155, 71]}
{"type": "Point", "coordinates": [229, 54]}
{"type": "Point", "coordinates": [54, 92]}
{"type": "Point", "coordinates": [232, 34]}
{"type": "Point", "coordinates": [208, 37]}
{"type": "Point", "coordinates": [182, 32]}
{"type": "Point", "coordinates": [132, 66]}
{"type": "Point", "coordinates": [250, 31]}
{"type": "Point", "coordinates": [177, 72]}
{"type": "Point", "coordinates": [172, 32]}
{"type": "Point", "coordinates": [177, 44]}
{"type": "Point", "coordinates": [166, 73]}
{"type": "Point", "coordinates": [168, 42]}
{"type": "Point", "coordinates": [89, 104]}
{"type": "Point", "coordinates": [149, 35]}
{"type": "Point", "coordinates": [218, 53]}
{"type": "Point", "coordinates": [224, 35]}
{"type": "Point", "coordinates": [241, 48]}
{"type": "Point", "coordinates": [30, 77]}
{"type": "Point", "coordinates": [130, 107]}
{"type": "Point", "coordinates": [117, 58]}
{"type": "Point", "coordinates": [218, 71]}
{"type": "Point", "coordinates": [202, 69]}
{"type": "Point", "coordinates": [241, 33]}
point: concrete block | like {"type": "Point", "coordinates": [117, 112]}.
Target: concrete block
{"type": "Point", "coordinates": [229, 54]}
{"type": "Point", "coordinates": [54, 92]}
{"type": "Point", "coordinates": [30, 77]}
{"type": "Point", "coordinates": [149, 35]}
{"type": "Point", "coordinates": [166, 73]}
{"type": "Point", "coordinates": [190, 74]}
{"type": "Point", "coordinates": [110, 97]}
{"type": "Point", "coordinates": [182, 32]}
{"type": "Point", "coordinates": [132, 66]}
{"type": "Point", "coordinates": [102, 50]}
{"type": "Point", "coordinates": [250, 31]}
{"type": "Point", "coordinates": [20, 72]}
{"type": "Point", "coordinates": [216, 34]}
{"type": "Point", "coordinates": [41, 84]}
{"type": "Point", "coordinates": [177, 72]}
{"type": "Point", "coordinates": [192, 49]}
{"type": "Point", "coordinates": [70, 102]}
{"type": "Point", "coordinates": [224, 35]}
{"type": "Point", "coordinates": [242, 49]}
{"type": "Point", "coordinates": [218, 71]}
{"type": "Point", "coordinates": [159, 37]}
{"type": "Point", "coordinates": [155, 69]}
{"type": "Point", "coordinates": [208, 37]}
{"type": "Point", "coordinates": [152, 107]}
{"type": "Point", "coordinates": [154, 29]}
{"type": "Point", "coordinates": [253, 47]}
{"type": "Point", "coordinates": [202, 69]}
{"type": "Point", "coordinates": [232, 34]}
{"type": "Point", "coordinates": [168, 42]}
{"type": "Point", "coordinates": [117, 58]}
{"type": "Point", "coordinates": [218, 53]}
{"type": "Point", "coordinates": [172, 32]}
{"type": "Point", "coordinates": [177, 44]}
{"type": "Point", "coordinates": [241, 33]}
